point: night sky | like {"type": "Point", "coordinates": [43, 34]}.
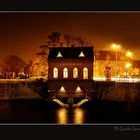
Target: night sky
{"type": "Point", "coordinates": [23, 33]}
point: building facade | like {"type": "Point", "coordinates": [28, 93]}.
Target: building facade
{"type": "Point", "coordinates": [70, 69]}
{"type": "Point", "coordinates": [120, 64]}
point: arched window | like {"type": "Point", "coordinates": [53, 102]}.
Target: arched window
{"type": "Point", "coordinates": [75, 73]}
{"type": "Point", "coordinates": [85, 73]}
{"type": "Point", "coordinates": [65, 73]}
{"type": "Point", "coordinates": [55, 72]}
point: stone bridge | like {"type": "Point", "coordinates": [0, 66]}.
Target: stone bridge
{"type": "Point", "coordinates": [102, 90]}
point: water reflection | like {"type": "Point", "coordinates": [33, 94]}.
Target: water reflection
{"type": "Point", "coordinates": [78, 116]}
{"type": "Point", "coordinates": [62, 116]}
{"type": "Point", "coordinates": [65, 116]}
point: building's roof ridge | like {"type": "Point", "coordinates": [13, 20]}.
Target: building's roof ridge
{"type": "Point", "coordinates": [71, 52]}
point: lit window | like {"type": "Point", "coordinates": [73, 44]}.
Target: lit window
{"type": "Point", "coordinates": [85, 73]}
{"type": "Point", "coordinates": [65, 73]}
{"type": "Point", "coordinates": [75, 73]}
{"type": "Point", "coordinates": [59, 54]}
{"type": "Point", "coordinates": [81, 54]}
{"type": "Point", "coordinates": [55, 72]}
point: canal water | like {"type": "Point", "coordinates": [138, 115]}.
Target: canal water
{"type": "Point", "coordinates": [95, 112]}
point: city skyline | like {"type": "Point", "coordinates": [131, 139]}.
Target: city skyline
{"type": "Point", "coordinates": [22, 33]}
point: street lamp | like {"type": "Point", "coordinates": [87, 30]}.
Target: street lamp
{"type": "Point", "coordinates": [127, 66]}
{"type": "Point", "coordinates": [116, 47]}
{"type": "Point", "coordinates": [128, 54]}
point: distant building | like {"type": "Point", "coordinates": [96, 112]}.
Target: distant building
{"type": "Point", "coordinates": [70, 70]}
{"type": "Point", "coordinates": [105, 58]}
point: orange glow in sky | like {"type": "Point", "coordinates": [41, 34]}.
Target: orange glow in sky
{"type": "Point", "coordinates": [23, 33]}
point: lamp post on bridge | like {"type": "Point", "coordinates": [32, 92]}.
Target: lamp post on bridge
{"type": "Point", "coordinates": [86, 93]}
{"type": "Point", "coordinates": [116, 47]}
{"type": "Point", "coordinates": [70, 99]}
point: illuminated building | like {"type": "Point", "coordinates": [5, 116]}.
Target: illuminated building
{"type": "Point", "coordinates": [124, 64]}
{"type": "Point", "coordinates": [70, 69]}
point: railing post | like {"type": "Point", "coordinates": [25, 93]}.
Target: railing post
{"type": "Point", "coordinates": [54, 94]}
{"type": "Point", "coordinates": [25, 81]}
{"type": "Point", "coordinates": [70, 100]}
{"type": "Point", "coordinates": [9, 90]}
{"type": "Point", "coordinates": [86, 94]}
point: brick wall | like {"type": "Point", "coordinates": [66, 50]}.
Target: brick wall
{"type": "Point", "coordinates": [70, 65]}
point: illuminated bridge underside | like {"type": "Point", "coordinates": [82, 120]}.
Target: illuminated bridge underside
{"type": "Point", "coordinates": [80, 103]}
{"type": "Point", "coordinates": [65, 88]}
{"type": "Point", "coordinates": [66, 94]}
{"type": "Point", "coordinates": [60, 103]}
{"type": "Point", "coordinates": [66, 105]}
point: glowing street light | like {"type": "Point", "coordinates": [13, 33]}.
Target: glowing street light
{"type": "Point", "coordinates": [128, 65]}
{"type": "Point", "coordinates": [116, 47]}
{"type": "Point", "coordinates": [128, 54]}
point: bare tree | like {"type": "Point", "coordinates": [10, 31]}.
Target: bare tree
{"type": "Point", "coordinates": [53, 39]}
{"type": "Point", "coordinates": [28, 69]}
{"type": "Point", "coordinates": [68, 39]}
{"type": "Point", "coordinates": [13, 63]}
{"type": "Point", "coordinates": [56, 39]}
{"type": "Point", "coordinates": [81, 41]}
{"type": "Point", "coordinates": [40, 65]}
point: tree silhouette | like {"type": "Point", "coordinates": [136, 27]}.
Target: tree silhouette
{"type": "Point", "coordinates": [68, 39]}
{"type": "Point", "coordinates": [40, 64]}
{"type": "Point", "coordinates": [53, 39]}
{"type": "Point", "coordinates": [81, 41]}
{"type": "Point", "coordinates": [28, 69]}
{"type": "Point", "coordinates": [13, 63]}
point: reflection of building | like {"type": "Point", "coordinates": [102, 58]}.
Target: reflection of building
{"type": "Point", "coordinates": [124, 64]}
{"type": "Point", "coordinates": [70, 69]}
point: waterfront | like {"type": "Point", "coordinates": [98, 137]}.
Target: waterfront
{"type": "Point", "coordinates": [41, 111]}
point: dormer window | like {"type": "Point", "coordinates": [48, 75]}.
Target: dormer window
{"type": "Point", "coordinates": [81, 54]}
{"type": "Point", "coordinates": [59, 54]}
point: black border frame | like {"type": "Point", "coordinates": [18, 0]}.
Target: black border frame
{"type": "Point", "coordinates": [69, 5]}
{"type": "Point", "coordinates": [67, 131]}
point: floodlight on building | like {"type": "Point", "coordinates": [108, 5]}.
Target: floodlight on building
{"type": "Point", "coordinates": [62, 89]}
{"type": "Point", "coordinates": [128, 54]}
{"type": "Point", "coordinates": [78, 89]}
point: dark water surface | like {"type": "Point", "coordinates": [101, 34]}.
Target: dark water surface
{"type": "Point", "coordinates": [41, 111]}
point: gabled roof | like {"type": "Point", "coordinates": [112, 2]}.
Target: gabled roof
{"type": "Point", "coordinates": [71, 53]}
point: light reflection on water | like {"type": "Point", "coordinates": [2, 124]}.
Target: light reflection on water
{"type": "Point", "coordinates": [34, 112]}
{"type": "Point", "coordinates": [79, 116]}
{"type": "Point", "coordinates": [64, 116]}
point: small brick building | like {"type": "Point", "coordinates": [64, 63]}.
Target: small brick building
{"type": "Point", "coordinates": [70, 70]}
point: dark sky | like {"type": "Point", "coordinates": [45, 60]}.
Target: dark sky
{"type": "Point", "coordinates": [22, 33]}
